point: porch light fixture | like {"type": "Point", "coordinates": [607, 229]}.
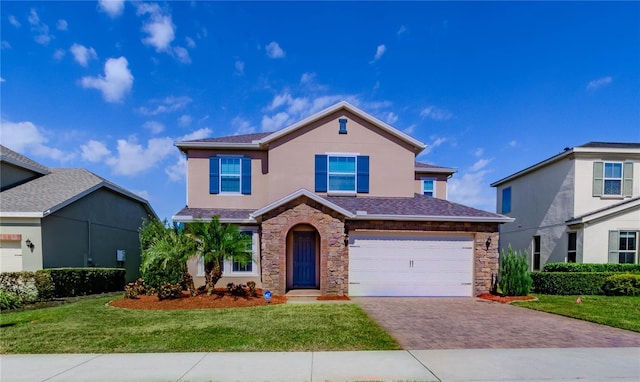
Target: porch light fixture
{"type": "Point", "coordinates": [488, 242]}
{"type": "Point", "coordinates": [30, 244]}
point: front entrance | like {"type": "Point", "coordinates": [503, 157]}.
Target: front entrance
{"type": "Point", "coordinates": [304, 259]}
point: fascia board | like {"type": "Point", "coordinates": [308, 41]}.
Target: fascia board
{"type": "Point", "coordinates": [469, 219]}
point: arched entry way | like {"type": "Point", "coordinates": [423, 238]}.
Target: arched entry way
{"type": "Point", "coordinates": [303, 258]}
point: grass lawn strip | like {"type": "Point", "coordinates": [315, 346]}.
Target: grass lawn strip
{"type": "Point", "coordinates": [89, 326]}
{"type": "Point", "coordinates": [620, 311]}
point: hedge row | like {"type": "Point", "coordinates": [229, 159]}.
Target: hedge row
{"type": "Point", "coordinates": [580, 267]}
{"type": "Point", "coordinates": [69, 282]}
{"type": "Point", "coordinates": [19, 288]}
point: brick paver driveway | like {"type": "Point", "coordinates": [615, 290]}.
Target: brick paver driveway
{"type": "Point", "coordinates": [470, 323]}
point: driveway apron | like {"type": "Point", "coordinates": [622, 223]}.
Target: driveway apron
{"type": "Point", "coordinates": [470, 323]}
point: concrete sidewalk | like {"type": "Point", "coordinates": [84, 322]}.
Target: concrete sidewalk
{"type": "Point", "coordinates": [548, 364]}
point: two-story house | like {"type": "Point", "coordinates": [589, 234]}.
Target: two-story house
{"type": "Point", "coordinates": [582, 205]}
{"type": "Point", "coordinates": [337, 204]}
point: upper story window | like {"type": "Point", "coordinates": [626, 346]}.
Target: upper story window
{"type": "Point", "coordinates": [229, 175]}
{"type": "Point", "coordinates": [612, 179]}
{"type": "Point", "coordinates": [506, 200]}
{"type": "Point", "coordinates": [429, 187]}
{"type": "Point", "coordinates": [342, 173]}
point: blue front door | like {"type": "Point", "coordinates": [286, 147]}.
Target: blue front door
{"type": "Point", "coordinates": [304, 260]}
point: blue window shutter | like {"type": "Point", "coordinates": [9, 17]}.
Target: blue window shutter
{"type": "Point", "coordinates": [214, 175]}
{"type": "Point", "coordinates": [245, 170]}
{"type": "Point", "coordinates": [321, 173]}
{"type": "Point", "coordinates": [363, 173]}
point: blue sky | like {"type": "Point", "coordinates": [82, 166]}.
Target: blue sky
{"type": "Point", "coordinates": [491, 87]}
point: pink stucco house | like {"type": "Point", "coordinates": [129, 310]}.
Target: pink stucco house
{"type": "Point", "coordinates": [337, 204]}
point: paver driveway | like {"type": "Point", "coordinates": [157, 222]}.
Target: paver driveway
{"type": "Point", "coordinates": [470, 323]}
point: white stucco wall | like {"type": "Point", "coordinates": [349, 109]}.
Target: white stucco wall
{"type": "Point", "coordinates": [596, 234]}
{"type": "Point", "coordinates": [30, 229]}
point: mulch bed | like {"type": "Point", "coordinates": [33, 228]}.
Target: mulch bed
{"type": "Point", "coordinates": [505, 299]}
{"type": "Point", "coordinates": [220, 299]}
{"type": "Point", "coordinates": [333, 298]}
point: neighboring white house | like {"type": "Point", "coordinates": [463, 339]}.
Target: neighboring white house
{"type": "Point", "coordinates": [582, 205]}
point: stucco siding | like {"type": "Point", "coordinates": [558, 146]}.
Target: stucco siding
{"type": "Point", "coordinates": [440, 184]}
{"type": "Point", "coordinates": [596, 234]}
{"type": "Point", "coordinates": [28, 228]}
{"type": "Point", "coordinates": [89, 232]}
{"type": "Point", "coordinates": [13, 175]}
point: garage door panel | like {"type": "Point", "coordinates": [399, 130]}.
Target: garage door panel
{"type": "Point", "coordinates": [410, 265]}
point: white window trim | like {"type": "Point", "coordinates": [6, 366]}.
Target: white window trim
{"type": "Point", "coordinates": [637, 234]}
{"type": "Point", "coordinates": [434, 180]}
{"type": "Point", "coordinates": [355, 174]}
{"type": "Point", "coordinates": [227, 268]}
{"type": "Point", "coordinates": [620, 179]}
{"type": "Point", "coordinates": [239, 192]}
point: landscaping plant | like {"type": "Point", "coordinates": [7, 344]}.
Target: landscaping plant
{"type": "Point", "coordinates": [622, 285]}
{"type": "Point", "coordinates": [515, 278]}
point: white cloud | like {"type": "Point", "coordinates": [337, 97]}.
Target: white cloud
{"type": "Point", "coordinates": [402, 30]}
{"type": "Point", "coordinates": [5, 44]}
{"type": "Point", "coordinates": [141, 193]}
{"type": "Point", "coordinates": [2, 79]}
{"type": "Point", "coordinates": [307, 78]}
{"type": "Point", "coordinates": [436, 113]}
{"type": "Point", "coordinates": [58, 54]}
{"type": "Point", "coordinates": [185, 120]}
{"type": "Point", "coordinates": [379, 53]}
{"type": "Point", "coordinates": [275, 122]}
{"type": "Point", "coordinates": [154, 127]}
{"type": "Point", "coordinates": [182, 54]}
{"type": "Point", "coordinates": [242, 126]}
{"type": "Point", "coordinates": [62, 25]}
{"type": "Point", "coordinates": [205, 132]}
{"type": "Point", "coordinates": [274, 50]}
{"type": "Point", "coordinates": [190, 42]}
{"type": "Point", "coordinates": [409, 130]}
{"type": "Point", "coordinates": [513, 143]}
{"type": "Point", "coordinates": [13, 21]}
{"type": "Point", "coordinates": [132, 158]}
{"type": "Point", "coordinates": [479, 152]}
{"type": "Point", "coordinates": [437, 141]}
{"type": "Point", "coordinates": [115, 84]}
{"type": "Point", "coordinates": [165, 105]}
{"type": "Point", "coordinates": [25, 137]}
{"type": "Point", "coordinates": [239, 66]}
{"type": "Point", "coordinates": [479, 165]}
{"type": "Point", "coordinates": [113, 8]}
{"type": "Point", "coordinates": [94, 151]}
{"type": "Point", "coordinates": [599, 83]}
{"type": "Point", "coordinates": [41, 30]}
{"type": "Point", "coordinates": [472, 189]}
{"type": "Point", "coordinates": [178, 171]}
{"type": "Point", "coordinates": [158, 27]}
{"type": "Point", "coordinates": [82, 54]}
{"type": "Point", "coordinates": [391, 118]}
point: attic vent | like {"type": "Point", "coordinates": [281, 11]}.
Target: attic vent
{"type": "Point", "coordinates": [343, 126]}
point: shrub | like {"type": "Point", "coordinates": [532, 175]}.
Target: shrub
{"type": "Point", "coordinates": [580, 267]}
{"type": "Point", "coordinates": [252, 288]}
{"type": "Point", "coordinates": [622, 285]}
{"type": "Point", "coordinates": [70, 282]}
{"type": "Point", "coordinates": [8, 300]}
{"type": "Point", "coordinates": [134, 289]}
{"type": "Point", "coordinates": [569, 283]}
{"type": "Point", "coordinates": [515, 279]}
{"type": "Point", "coordinates": [169, 291]}
{"type": "Point", "coordinates": [27, 287]}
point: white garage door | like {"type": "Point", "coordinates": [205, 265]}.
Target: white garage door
{"type": "Point", "coordinates": [410, 265]}
{"type": "Point", "coordinates": [10, 256]}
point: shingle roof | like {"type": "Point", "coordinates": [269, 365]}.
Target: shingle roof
{"type": "Point", "coordinates": [209, 213]}
{"type": "Point", "coordinates": [418, 205]}
{"type": "Point", "coordinates": [612, 145]}
{"type": "Point", "coordinates": [245, 138]}
{"type": "Point", "coordinates": [55, 190]}
{"type": "Point", "coordinates": [10, 156]}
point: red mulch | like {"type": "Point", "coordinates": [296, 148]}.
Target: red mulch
{"type": "Point", "coordinates": [220, 299]}
{"type": "Point", "coordinates": [504, 299]}
{"type": "Point", "coordinates": [333, 298]}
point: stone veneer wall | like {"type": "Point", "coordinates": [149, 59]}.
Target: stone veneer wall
{"type": "Point", "coordinates": [334, 269]}
{"type": "Point", "coordinates": [485, 261]}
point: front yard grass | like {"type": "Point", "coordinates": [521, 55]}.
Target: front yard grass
{"type": "Point", "coordinates": [89, 326]}
{"type": "Point", "coordinates": [618, 311]}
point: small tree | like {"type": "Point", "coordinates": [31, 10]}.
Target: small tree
{"type": "Point", "coordinates": [515, 278]}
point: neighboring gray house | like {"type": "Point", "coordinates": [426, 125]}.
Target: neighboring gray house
{"type": "Point", "coordinates": [65, 217]}
{"type": "Point", "coordinates": [582, 205]}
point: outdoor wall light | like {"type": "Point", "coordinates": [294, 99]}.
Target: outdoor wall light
{"type": "Point", "coordinates": [488, 242]}
{"type": "Point", "coordinates": [30, 244]}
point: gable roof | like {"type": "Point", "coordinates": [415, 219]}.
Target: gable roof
{"type": "Point", "coordinates": [622, 207]}
{"type": "Point", "coordinates": [416, 208]}
{"type": "Point", "coordinates": [10, 156]}
{"type": "Point", "coordinates": [262, 140]}
{"type": "Point", "coordinates": [55, 190]}
{"type": "Point", "coordinates": [431, 168]}
{"type": "Point", "coordinates": [587, 148]}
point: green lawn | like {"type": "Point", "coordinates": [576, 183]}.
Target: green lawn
{"type": "Point", "coordinates": [88, 326]}
{"type": "Point", "coordinates": [620, 311]}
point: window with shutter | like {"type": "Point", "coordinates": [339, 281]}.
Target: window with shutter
{"type": "Point", "coordinates": [229, 175]}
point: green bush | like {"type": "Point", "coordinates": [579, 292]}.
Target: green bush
{"type": "Point", "coordinates": [580, 267]}
{"type": "Point", "coordinates": [27, 287]}
{"type": "Point", "coordinates": [69, 282]}
{"type": "Point", "coordinates": [569, 283]}
{"type": "Point", "coordinates": [622, 285]}
{"type": "Point", "coordinates": [515, 279]}
{"type": "Point", "coordinates": [8, 300]}
{"type": "Point", "coordinates": [157, 274]}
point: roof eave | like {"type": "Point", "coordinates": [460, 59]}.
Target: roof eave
{"type": "Point", "coordinates": [466, 219]}
{"type": "Point", "coordinates": [437, 170]}
{"type": "Point", "coordinates": [21, 214]}
{"type": "Point", "coordinates": [297, 194]}
{"type": "Point", "coordinates": [217, 145]}
{"type": "Point", "coordinates": [191, 219]}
